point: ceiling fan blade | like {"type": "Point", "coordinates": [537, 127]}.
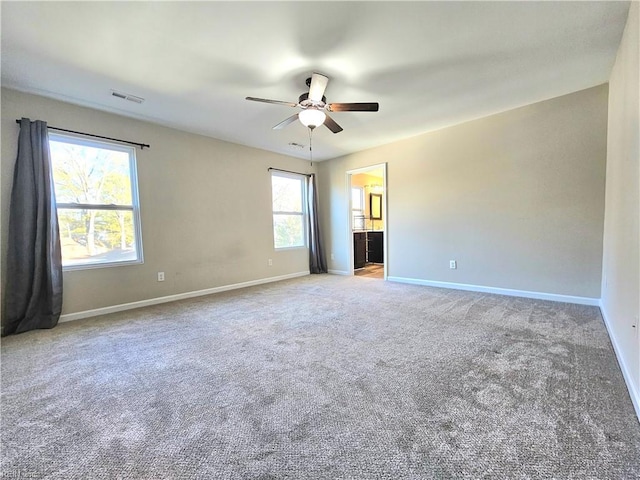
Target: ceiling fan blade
{"type": "Point", "coordinates": [286, 122]}
{"type": "Point", "coordinates": [331, 124]}
{"type": "Point", "coordinates": [353, 107]}
{"type": "Point", "coordinates": [317, 87]}
{"type": "Point", "coordinates": [276, 102]}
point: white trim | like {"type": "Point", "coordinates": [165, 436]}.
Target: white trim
{"type": "Point", "coordinates": [339, 272]}
{"type": "Point", "coordinates": [500, 291]}
{"type": "Point", "coordinates": [633, 393]}
{"type": "Point", "coordinates": [68, 317]}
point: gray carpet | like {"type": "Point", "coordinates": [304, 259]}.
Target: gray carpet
{"type": "Point", "coordinates": [321, 377]}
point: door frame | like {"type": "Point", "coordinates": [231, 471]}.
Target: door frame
{"type": "Point", "coordinates": [385, 216]}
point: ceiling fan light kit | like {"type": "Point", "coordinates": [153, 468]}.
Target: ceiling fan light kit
{"type": "Point", "coordinates": [313, 105]}
{"type": "Point", "coordinates": [312, 117]}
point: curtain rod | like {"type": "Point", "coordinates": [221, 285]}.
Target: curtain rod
{"type": "Point", "coordinates": [289, 171]}
{"type": "Point", "coordinates": [141, 145]}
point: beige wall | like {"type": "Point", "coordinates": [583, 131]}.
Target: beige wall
{"type": "Point", "coordinates": [205, 207]}
{"type": "Point", "coordinates": [516, 198]}
{"type": "Point", "coordinates": [621, 262]}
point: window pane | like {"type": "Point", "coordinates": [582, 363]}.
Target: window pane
{"type": "Point", "coordinates": [358, 221]}
{"type": "Point", "coordinates": [96, 173]}
{"type": "Point", "coordinates": [96, 236]}
{"type": "Point", "coordinates": [288, 230]}
{"type": "Point", "coordinates": [356, 199]}
{"type": "Point", "coordinates": [287, 194]}
{"type": "Point", "coordinates": [84, 174]}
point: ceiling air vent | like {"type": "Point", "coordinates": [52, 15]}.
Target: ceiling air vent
{"type": "Point", "coordinates": [126, 96]}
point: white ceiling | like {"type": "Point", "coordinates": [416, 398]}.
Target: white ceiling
{"type": "Point", "coordinates": [428, 64]}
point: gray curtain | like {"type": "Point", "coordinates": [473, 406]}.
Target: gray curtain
{"type": "Point", "coordinates": [317, 261]}
{"type": "Point", "coordinates": [34, 263]}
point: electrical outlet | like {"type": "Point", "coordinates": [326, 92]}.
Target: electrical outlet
{"type": "Point", "coordinates": [333, 257]}
{"type": "Point", "coordinates": [270, 262]}
{"type": "Point", "coordinates": [161, 276]}
{"type": "Point", "coordinates": [453, 264]}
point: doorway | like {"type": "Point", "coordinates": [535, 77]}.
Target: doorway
{"type": "Point", "coordinates": [368, 239]}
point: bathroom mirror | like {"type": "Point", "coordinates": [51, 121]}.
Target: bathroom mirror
{"type": "Point", "coordinates": [375, 203]}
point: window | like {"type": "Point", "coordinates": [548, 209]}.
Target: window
{"type": "Point", "coordinates": [357, 207]}
{"type": "Point", "coordinates": [97, 198]}
{"type": "Point", "coordinates": [289, 216]}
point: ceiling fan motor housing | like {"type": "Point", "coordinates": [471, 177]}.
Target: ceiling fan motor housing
{"type": "Point", "coordinates": [304, 101]}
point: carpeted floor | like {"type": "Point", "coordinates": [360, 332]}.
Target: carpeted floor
{"type": "Point", "coordinates": [321, 377]}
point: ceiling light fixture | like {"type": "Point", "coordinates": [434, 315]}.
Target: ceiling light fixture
{"type": "Point", "coordinates": [312, 117]}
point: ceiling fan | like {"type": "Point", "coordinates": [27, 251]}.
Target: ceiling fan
{"type": "Point", "coordinates": [314, 106]}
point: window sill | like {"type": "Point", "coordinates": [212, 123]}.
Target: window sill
{"type": "Point", "coordinates": [93, 266]}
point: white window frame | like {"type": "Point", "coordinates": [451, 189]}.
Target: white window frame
{"type": "Point", "coordinates": [135, 202]}
{"type": "Point", "coordinates": [354, 211]}
{"type": "Point", "coordinates": [303, 213]}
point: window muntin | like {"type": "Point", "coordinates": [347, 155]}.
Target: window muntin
{"type": "Point", "coordinates": [289, 214]}
{"type": "Point", "coordinates": [97, 200]}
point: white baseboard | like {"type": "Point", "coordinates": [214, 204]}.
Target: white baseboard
{"type": "Point", "coordinates": [338, 272]}
{"type": "Point", "coordinates": [68, 317]}
{"type": "Point", "coordinates": [633, 392]}
{"type": "Point", "coordinates": [500, 291]}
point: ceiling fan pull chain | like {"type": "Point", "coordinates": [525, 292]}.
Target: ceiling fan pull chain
{"type": "Point", "coordinates": [310, 144]}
